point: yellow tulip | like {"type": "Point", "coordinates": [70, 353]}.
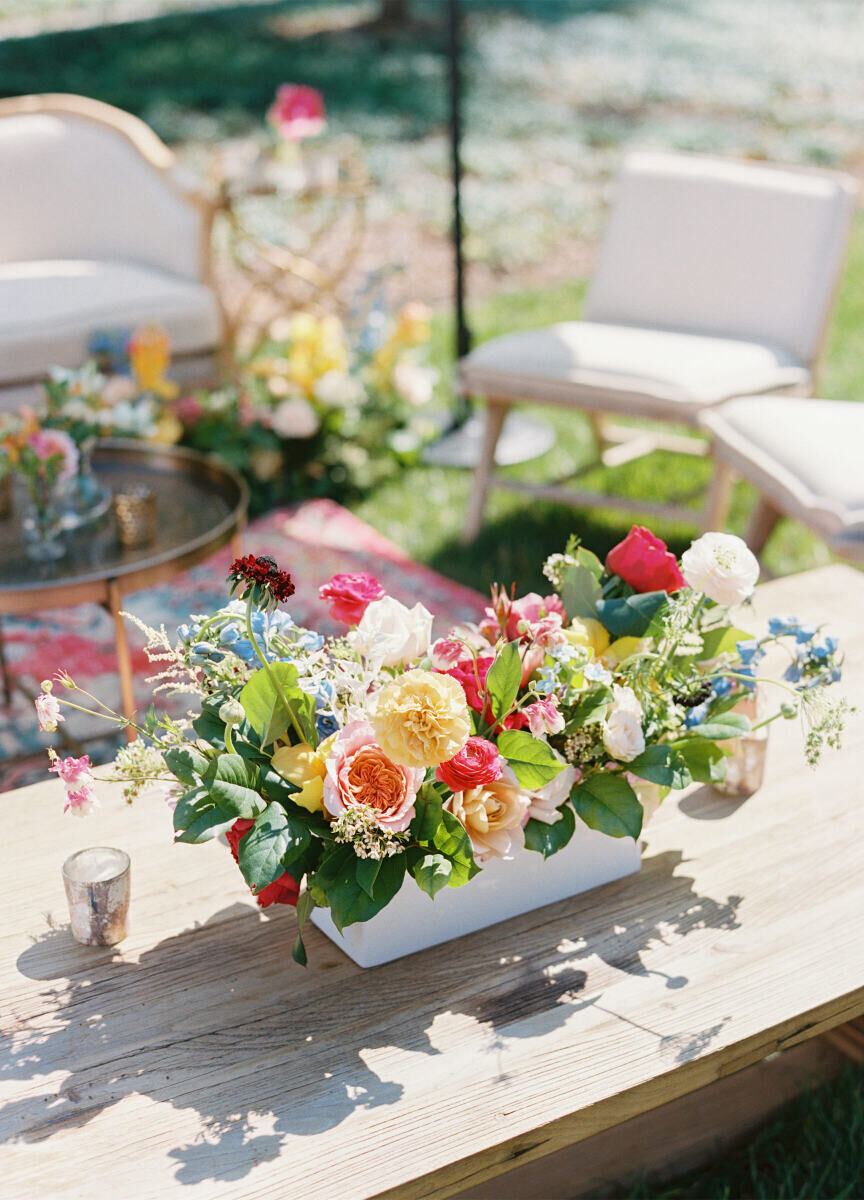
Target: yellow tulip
{"type": "Point", "coordinates": [301, 766]}
{"type": "Point", "coordinates": [587, 632]}
{"type": "Point", "coordinates": [622, 648]}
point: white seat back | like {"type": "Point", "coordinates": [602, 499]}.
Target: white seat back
{"type": "Point", "coordinates": [72, 187]}
{"type": "Point", "coordinates": [707, 246]}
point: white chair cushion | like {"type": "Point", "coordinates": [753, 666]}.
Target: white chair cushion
{"type": "Point", "coordinates": [48, 310]}
{"type": "Point", "coordinates": [625, 369]}
{"type": "Point", "coordinates": [722, 248]}
{"type": "Point", "coordinates": [804, 455]}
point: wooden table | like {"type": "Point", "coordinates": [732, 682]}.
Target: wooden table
{"type": "Point", "coordinates": [199, 1060]}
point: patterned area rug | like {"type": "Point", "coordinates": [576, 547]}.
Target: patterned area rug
{"type": "Point", "coordinates": [313, 542]}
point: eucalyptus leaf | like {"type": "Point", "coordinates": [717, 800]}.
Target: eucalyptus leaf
{"type": "Point", "coordinates": [606, 802]}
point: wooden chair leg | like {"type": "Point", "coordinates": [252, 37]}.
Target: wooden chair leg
{"type": "Point", "coordinates": [719, 497]}
{"type": "Point", "coordinates": [762, 521]}
{"type": "Point", "coordinates": [496, 411]}
{"type": "Point", "coordinates": [598, 428]}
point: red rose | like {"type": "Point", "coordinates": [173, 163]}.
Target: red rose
{"type": "Point", "coordinates": [283, 890]}
{"type": "Point", "coordinates": [478, 762]}
{"type": "Point", "coordinates": [348, 596]}
{"type": "Point", "coordinates": [643, 561]}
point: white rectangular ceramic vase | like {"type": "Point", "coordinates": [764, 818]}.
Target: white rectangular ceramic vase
{"type": "Point", "coordinates": [504, 888]}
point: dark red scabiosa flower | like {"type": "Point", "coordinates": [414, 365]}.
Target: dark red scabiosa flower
{"type": "Point", "coordinates": [283, 890]}
{"type": "Point", "coordinates": [259, 576]}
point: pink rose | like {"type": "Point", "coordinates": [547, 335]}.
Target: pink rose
{"type": "Point", "coordinates": [297, 112]}
{"type": "Point", "coordinates": [79, 784]}
{"type": "Point", "coordinates": [359, 773]}
{"type": "Point", "coordinates": [477, 763]}
{"type": "Point", "coordinates": [348, 596]}
{"type": "Point", "coordinates": [54, 443]}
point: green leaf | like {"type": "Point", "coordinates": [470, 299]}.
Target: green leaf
{"type": "Point", "coordinates": [266, 698]}
{"type": "Point", "coordinates": [723, 725]}
{"type": "Point", "coordinates": [432, 872]}
{"type": "Point", "coordinates": [721, 640]}
{"type": "Point", "coordinates": [187, 763]}
{"type": "Point", "coordinates": [350, 903]}
{"type": "Point", "coordinates": [503, 680]}
{"type": "Point", "coordinates": [534, 762]}
{"type": "Point", "coordinates": [580, 591]}
{"type": "Point", "coordinates": [275, 787]}
{"type": "Point", "coordinates": [630, 616]}
{"type": "Point", "coordinates": [208, 824]}
{"type": "Point", "coordinates": [590, 709]}
{"type": "Point", "coordinates": [366, 874]}
{"type": "Point", "coordinates": [453, 842]}
{"type": "Point", "coordinates": [705, 761]}
{"type": "Point", "coordinates": [209, 728]}
{"type": "Point", "coordinates": [234, 785]}
{"type": "Point", "coordinates": [663, 765]}
{"type": "Point", "coordinates": [608, 803]}
{"type": "Point", "coordinates": [427, 814]}
{"type": "Point", "coordinates": [549, 839]}
{"type": "Point", "coordinates": [272, 843]}
{"type": "Point", "coordinates": [305, 904]}
{"type": "Point", "coordinates": [587, 558]}
{"type": "Point", "coordinates": [190, 805]}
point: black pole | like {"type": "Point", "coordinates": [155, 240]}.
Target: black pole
{"type": "Point", "coordinates": [454, 55]}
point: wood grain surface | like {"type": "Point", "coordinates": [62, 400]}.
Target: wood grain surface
{"type": "Point", "coordinates": [198, 1060]}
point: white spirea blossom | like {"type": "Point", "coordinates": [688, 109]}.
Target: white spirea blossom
{"type": "Point", "coordinates": [721, 566]}
{"type": "Point", "coordinates": [390, 634]}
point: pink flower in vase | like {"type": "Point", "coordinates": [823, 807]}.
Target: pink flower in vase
{"type": "Point", "coordinates": [297, 112]}
{"type": "Point", "coordinates": [47, 443]}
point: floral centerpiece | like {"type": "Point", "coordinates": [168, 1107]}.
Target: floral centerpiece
{"type": "Point", "coordinates": [341, 768]}
{"type": "Point", "coordinates": [44, 458]}
{"type": "Point", "coordinates": [318, 408]}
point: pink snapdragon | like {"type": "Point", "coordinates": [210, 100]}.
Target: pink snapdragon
{"type": "Point", "coordinates": [48, 710]}
{"type": "Point", "coordinates": [79, 783]}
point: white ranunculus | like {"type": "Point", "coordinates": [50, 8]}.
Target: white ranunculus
{"type": "Point", "coordinates": [389, 633]}
{"type": "Point", "coordinates": [295, 418]}
{"type": "Point", "coordinates": [338, 389]}
{"type": "Point", "coordinates": [721, 566]}
{"type": "Point", "coordinates": [624, 700]}
{"type": "Point", "coordinates": [622, 735]}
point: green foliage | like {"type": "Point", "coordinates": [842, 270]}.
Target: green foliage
{"type": "Point", "coordinates": [432, 872]}
{"type": "Point", "coordinates": [271, 697]}
{"type": "Point", "coordinates": [439, 833]}
{"type": "Point", "coordinates": [305, 904]}
{"type": "Point", "coordinates": [234, 785]}
{"type": "Point", "coordinates": [198, 819]}
{"type": "Point", "coordinates": [580, 591]}
{"type": "Point", "coordinates": [722, 726]}
{"type": "Point", "coordinates": [663, 765]}
{"type": "Point", "coordinates": [721, 640]}
{"type": "Point", "coordinates": [187, 763]}
{"type": "Point", "coordinates": [271, 845]}
{"type": "Point", "coordinates": [607, 803]}
{"type": "Point", "coordinates": [630, 616]}
{"type": "Point", "coordinates": [534, 762]}
{"type": "Point", "coordinates": [503, 680]}
{"type": "Point", "coordinates": [590, 709]}
{"type": "Point", "coordinates": [705, 762]}
{"type": "Point", "coordinates": [549, 839]}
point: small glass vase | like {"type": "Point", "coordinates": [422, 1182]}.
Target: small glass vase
{"type": "Point", "coordinates": [42, 522]}
{"type": "Point", "coordinates": [84, 498]}
{"type": "Point", "coordinates": [745, 764]}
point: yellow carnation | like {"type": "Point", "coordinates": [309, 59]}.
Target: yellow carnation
{"type": "Point", "coordinates": [585, 631]}
{"type": "Point", "coordinates": [420, 719]}
{"type": "Point", "coordinates": [301, 765]}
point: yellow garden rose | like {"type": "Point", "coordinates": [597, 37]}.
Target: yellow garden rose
{"type": "Point", "coordinates": [301, 765]}
{"type": "Point", "coordinates": [168, 430]}
{"type": "Point", "coordinates": [585, 631]}
{"type": "Point", "coordinates": [420, 719]}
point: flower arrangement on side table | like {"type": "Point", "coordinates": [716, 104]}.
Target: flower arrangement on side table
{"type": "Point", "coordinates": [45, 459]}
{"type": "Point", "coordinates": [337, 767]}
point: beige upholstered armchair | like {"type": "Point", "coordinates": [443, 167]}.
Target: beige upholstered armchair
{"type": "Point", "coordinates": [97, 230]}
{"type": "Point", "coordinates": [715, 279]}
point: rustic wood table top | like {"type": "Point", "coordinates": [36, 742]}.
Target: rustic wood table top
{"type": "Point", "coordinates": [197, 1059]}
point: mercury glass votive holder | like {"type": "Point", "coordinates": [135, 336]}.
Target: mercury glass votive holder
{"type": "Point", "coordinates": [97, 889]}
{"type": "Point", "coordinates": [135, 513]}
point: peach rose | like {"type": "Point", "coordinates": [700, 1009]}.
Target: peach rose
{"type": "Point", "coordinates": [493, 815]}
{"type": "Point", "coordinates": [359, 773]}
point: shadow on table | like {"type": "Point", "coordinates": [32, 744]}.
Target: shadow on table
{"type": "Point", "coordinates": [267, 1054]}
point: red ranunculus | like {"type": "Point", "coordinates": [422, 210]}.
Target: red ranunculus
{"type": "Point", "coordinates": [643, 561]}
{"type": "Point", "coordinates": [348, 596]}
{"type": "Point", "coordinates": [478, 762]}
{"type": "Point", "coordinates": [283, 890]}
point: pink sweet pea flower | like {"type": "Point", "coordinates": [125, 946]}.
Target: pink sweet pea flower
{"type": "Point", "coordinates": [544, 717]}
{"type": "Point", "coordinates": [48, 711]}
{"type": "Point", "coordinates": [297, 112]}
{"type": "Point", "coordinates": [348, 596]}
{"type": "Point", "coordinates": [79, 784]}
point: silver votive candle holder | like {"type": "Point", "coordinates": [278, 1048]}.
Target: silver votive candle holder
{"type": "Point", "coordinates": [97, 889]}
{"type": "Point", "coordinates": [135, 513]}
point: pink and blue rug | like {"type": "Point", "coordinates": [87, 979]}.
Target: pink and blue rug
{"type": "Point", "coordinates": [314, 541]}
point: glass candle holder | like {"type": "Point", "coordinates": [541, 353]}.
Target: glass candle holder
{"type": "Point", "coordinates": [745, 765]}
{"type": "Point", "coordinates": [97, 889]}
{"type": "Point", "coordinates": [135, 512]}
